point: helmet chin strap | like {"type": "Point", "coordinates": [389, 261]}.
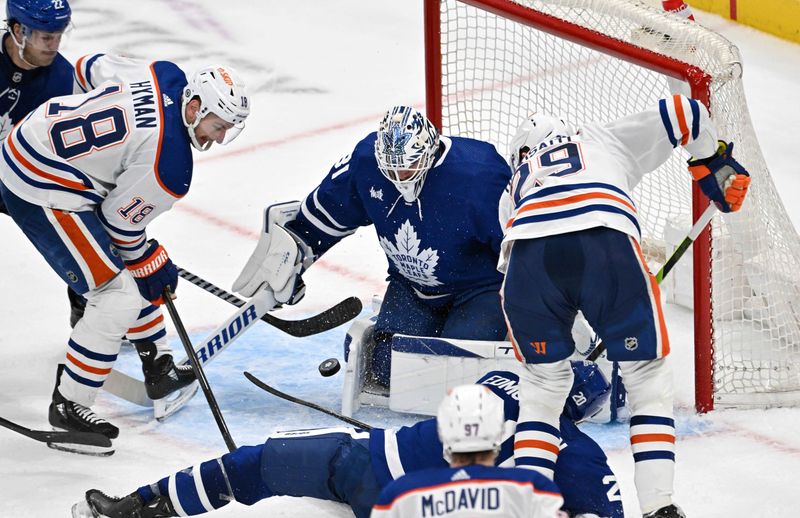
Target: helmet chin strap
{"type": "Point", "coordinates": [21, 48]}
{"type": "Point", "coordinates": [190, 128]}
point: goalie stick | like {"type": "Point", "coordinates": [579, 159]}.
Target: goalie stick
{"type": "Point", "coordinates": [673, 259]}
{"type": "Point", "coordinates": [85, 438]}
{"type": "Point", "coordinates": [133, 390]}
{"type": "Point", "coordinates": [335, 316]}
{"type": "Point", "coordinates": [283, 395]}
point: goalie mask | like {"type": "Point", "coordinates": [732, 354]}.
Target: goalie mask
{"type": "Point", "coordinates": [44, 24]}
{"type": "Point", "coordinates": [470, 419]}
{"type": "Point", "coordinates": [222, 92]}
{"type": "Point", "coordinates": [405, 149]}
{"type": "Point", "coordinates": [535, 129]}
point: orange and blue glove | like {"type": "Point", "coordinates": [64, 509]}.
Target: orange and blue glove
{"type": "Point", "coordinates": [724, 180]}
{"type": "Point", "coordinates": [153, 272]}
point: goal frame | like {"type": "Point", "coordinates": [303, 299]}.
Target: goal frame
{"type": "Point", "coordinates": [699, 82]}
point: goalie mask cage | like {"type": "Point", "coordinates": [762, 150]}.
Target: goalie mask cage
{"type": "Point", "coordinates": [489, 63]}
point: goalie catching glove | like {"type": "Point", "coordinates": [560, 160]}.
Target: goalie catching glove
{"type": "Point", "coordinates": [153, 272]}
{"type": "Point", "coordinates": [724, 180]}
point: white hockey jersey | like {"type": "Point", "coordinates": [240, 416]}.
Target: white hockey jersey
{"type": "Point", "coordinates": [583, 181]}
{"type": "Point", "coordinates": [120, 149]}
{"type": "Point", "coordinates": [470, 491]}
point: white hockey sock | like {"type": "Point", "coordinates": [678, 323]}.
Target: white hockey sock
{"type": "Point", "coordinates": [95, 341]}
{"type": "Point", "coordinates": [543, 389]}
{"type": "Point", "coordinates": [649, 385]}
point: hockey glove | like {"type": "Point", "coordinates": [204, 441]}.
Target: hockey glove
{"type": "Point", "coordinates": [276, 264]}
{"type": "Point", "coordinates": [722, 178]}
{"type": "Point", "coordinates": [153, 272]}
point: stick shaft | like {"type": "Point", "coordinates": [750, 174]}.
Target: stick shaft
{"type": "Point", "coordinates": [198, 371]}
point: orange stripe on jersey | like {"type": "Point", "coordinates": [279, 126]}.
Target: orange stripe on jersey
{"type": "Point", "coordinates": [145, 327]}
{"type": "Point", "coordinates": [652, 437]}
{"type": "Point", "coordinates": [662, 324]}
{"type": "Point", "coordinates": [79, 74]}
{"type": "Point", "coordinates": [681, 119]}
{"type": "Point", "coordinates": [160, 104]}
{"type": "Point", "coordinates": [541, 445]}
{"type": "Point", "coordinates": [87, 368]}
{"type": "Point", "coordinates": [572, 199]}
{"type": "Point", "coordinates": [32, 168]}
{"type": "Point", "coordinates": [101, 273]}
{"type": "Point", "coordinates": [121, 242]}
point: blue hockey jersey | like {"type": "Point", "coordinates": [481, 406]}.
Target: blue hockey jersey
{"type": "Point", "coordinates": [445, 242]}
{"type": "Point", "coordinates": [21, 91]}
{"type": "Point", "coordinates": [582, 471]}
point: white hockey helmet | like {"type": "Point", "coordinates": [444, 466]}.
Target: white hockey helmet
{"type": "Point", "coordinates": [222, 92]}
{"type": "Point", "coordinates": [533, 130]}
{"type": "Point", "coordinates": [406, 148]}
{"type": "Point", "coordinates": [470, 419]}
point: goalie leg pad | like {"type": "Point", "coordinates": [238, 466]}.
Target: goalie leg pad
{"type": "Point", "coordinates": [95, 341]}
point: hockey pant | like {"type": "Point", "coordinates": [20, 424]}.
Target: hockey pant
{"type": "Point", "coordinates": [78, 248]}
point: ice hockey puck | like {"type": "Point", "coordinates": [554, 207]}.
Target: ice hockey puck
{"type": "Point", "coordinates": [329, 367]}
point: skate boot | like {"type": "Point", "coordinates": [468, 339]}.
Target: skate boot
{"type": "Point", "coordinates": [161, 376]}
{"type": "Point", "coordinates": [670, 511]}
{"type": "Point", "coordinates": [99, 505]}
{"type": "Point", "coordinates": [170, 386]}
{"type": "Point", "coordinates": [77, 306]}
{"type": "Point", "coordinates": [70, 416]}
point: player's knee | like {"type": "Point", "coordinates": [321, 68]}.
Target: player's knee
{"type": "Point", "coordinates": [243, 473]}
{"type": "Point", "coordinates": [649, 386]}
{"type": "Point", "coordinates": [115, 305]}
{"type": "Point", "coordinates": [551, 382]}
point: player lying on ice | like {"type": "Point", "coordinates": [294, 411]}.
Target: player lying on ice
{"type": "Point", "coordinates": [471, 425]}
{"type": "Point", "coordinates": [433, 202]}
{"type": "Point", "coordinates": [352, 466]}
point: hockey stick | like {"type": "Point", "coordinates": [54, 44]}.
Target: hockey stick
{"type": "Point", "coordinates": [85, 438]}
{"type": "Point", "coordinates": [335, 316]}
{"type": "Point", "coordinates": [673, 259]}
{"type": "Point", "coordinates": [133, 390]}
{"type": "Point", "coordinates": [198, 369]}
{"type": "Point", "coordinates": [275, 392]}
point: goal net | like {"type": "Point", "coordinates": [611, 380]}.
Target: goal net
{"type": "Point", "coordinates": [489, 63]}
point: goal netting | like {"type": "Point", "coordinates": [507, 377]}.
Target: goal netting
{"type": "Point", "coordinates": [489, 63]}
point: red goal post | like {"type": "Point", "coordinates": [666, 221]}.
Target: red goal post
{"type": "Point", "coordinates": [491, 62]}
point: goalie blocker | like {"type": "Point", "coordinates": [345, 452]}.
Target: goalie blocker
{"type": "Point", "coordinates": [425, 368]}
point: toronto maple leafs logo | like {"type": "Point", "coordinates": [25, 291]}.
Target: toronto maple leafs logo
{"type": "Point", "coordinates": [415, 265]}
{"type": "Point", "coordinates": [395, 140]}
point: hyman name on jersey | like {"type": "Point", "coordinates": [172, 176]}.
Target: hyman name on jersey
{"type": "Point", "coordinates": [144, 105]}
{"type": "Point", "coordinates": [438, 504]}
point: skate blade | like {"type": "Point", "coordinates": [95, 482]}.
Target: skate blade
{"type": "Point", "coordinates": [82, 510]}
{"type": "Point", "coordinates": [165, 407]}
{"type": "Point", "coordinates": [82, 449]}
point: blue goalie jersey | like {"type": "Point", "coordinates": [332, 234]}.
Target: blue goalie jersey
{"type": "Point", "coordinates": [445, 242]}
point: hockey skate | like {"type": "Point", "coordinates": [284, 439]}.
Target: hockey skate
{"type": "Point", "coordinates": [670, 511]}
{"type": "Point", "coordinates": [167, 384]}
{"type": "Point", "coordinates": [99, 505]}
{"type": "Point", "coordinates": [70, 416]}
